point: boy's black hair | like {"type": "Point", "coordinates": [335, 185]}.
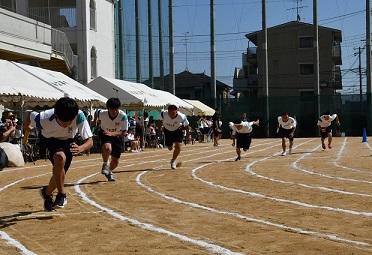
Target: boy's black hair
{"type": "Point", "coordinates": [237, 121]}
{"type": "Point", "coordinates": [66, 109]}
{"type": "Point", "coordinates": [113, 103]}
{"type": "Point", "coordinates": [284, 113]}
{"type": "Point", "coordinates": [172, 107]}
{"type": "Point", "coordinates": [326, 113]}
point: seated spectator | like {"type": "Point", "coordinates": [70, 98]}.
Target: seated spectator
{"type": "Point", "coordinates": [135, 145]}
{"type": "Point", "coordinates": [8, 127]}
{"type": "Point", "coordinates": [128, 139]}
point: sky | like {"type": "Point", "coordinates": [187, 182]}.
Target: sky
{"type": "Point", "coordinates": [235, 18]}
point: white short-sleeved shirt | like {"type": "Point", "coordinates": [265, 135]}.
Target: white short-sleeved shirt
{"type": "Point", "coordinates": [291, 123]}
{"type": "Point", "coordinates": [247, 128]}
{"type": "Point", "coordinates": [46, 122]}
{"type": "Point", "coordinates": [120, 123]}
{"type": "Point", "coordinates": [173, 124]}
{"type": "Point", "coordinates": [322, 122]}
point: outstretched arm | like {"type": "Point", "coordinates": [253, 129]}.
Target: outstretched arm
{"type": "Point", "coordinates": [257, 122]}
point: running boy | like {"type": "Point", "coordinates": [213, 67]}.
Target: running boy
{"type": "Point", "coordinates": [241, 131]}
{"type": "Point", "coordinates": [286, 129]}
{"type": "Point", "coordinates": [173, 123]}
{"type": "Point", "coordinates": [114, 125]}
{"type": "Point", "coordinates": [58, 127]}
{"type": "Point", "coordinates": [324, 124]}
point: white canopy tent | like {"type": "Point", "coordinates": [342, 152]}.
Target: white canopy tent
{"type": "Point", "coordinates": [17, 86]}
{"type": "Point", "coordinates": [200, 109]}
{"type": "Point", "coordinates": [67, 86]}
{"type": "Point", "coordinates": [24, 85]}
{"type": "Point", "coordinates": [136, 96]}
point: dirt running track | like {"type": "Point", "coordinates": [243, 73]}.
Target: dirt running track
{"type": "Point", "coordinates": [310, 202]}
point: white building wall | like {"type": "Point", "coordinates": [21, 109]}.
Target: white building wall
{"type": "Point", "coordinates": [103, 39]}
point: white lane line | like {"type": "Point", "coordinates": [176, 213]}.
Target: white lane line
{"type": "Point", "coordinates": [216, 249]}
{"type": "Point", "coordinates": [74, 162]}
{"type": "Point", "coordinates": [31, 177]}
{"type": "Point", "coordinates": [21, 180]}
{"type": "Point", "coordinates": [298, 230]}
{"type": "Point", "coordinates": [339, 154]}
{"type": "Point", "coordinates": [299, 168]}
{"type": "Point", "coordinates": [16, 243]}
{"type": "Point", "coordinates": [263, 196]}
{"type": "Point", "coordinates": [80, 161]}
{"type": "Point", "coordinates": [72, 168]}
{"type": "Point", "coordinates": [12, 242]}
{"type": "Point", "coordinates": [368, 146]}
{"type": "Point", "coordinates": [250, 171]}
{"type": "Point", "coordinates": [204, 244]}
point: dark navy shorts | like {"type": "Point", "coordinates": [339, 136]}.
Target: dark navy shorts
{"type": "Point", "coordinates": [54, 145]}
{"type": "Point", "coordinates": [115, 141]}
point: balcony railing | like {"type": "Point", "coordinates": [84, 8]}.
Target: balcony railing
{"type": "Point", "coordinates": [336, 80]}
{"type": "Point", "coordinates": [336, 54]}
{"type": "Point", "coordinates": [250, 82]}
{"type": "Point", "coordinates": [8, 5]}
{"type": "Point", "coordinates": [55, 16]}
{"type": "Point", "coordinates": [61, 45]}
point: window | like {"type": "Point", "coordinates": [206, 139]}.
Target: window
{"type": "Point", "coordinates": [93, 62]}
{"type": "Point", "coordinates": [92, 6]}
{"type": "Point", "coordinates": [8, 4]}
{"type": "Point", "coordinates": [306, 42]}
{"type": "Point", "coordinates": [306, 69]}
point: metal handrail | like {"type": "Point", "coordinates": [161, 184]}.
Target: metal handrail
{"type": "Point", "coordinates": [61, 45]}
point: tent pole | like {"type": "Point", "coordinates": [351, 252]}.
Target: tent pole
{"type": "Point", "coordinates": [143, 128]}
{"type": "Point", "coordinates": [22, 120]}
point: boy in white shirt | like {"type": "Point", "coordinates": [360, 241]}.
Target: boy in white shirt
{"type": "Point", "coordinates": [114, 125]}
{"type": "Point", "coordinates": [241, 131]}
{"type": "Point", "coordinates": [173, 124]}
{"type": "Point", "coordinates": [58, 127]}
{"type": "Point", "coordinates": [324, 124]}
{"type": "Point", "coordinates": [286, 128]}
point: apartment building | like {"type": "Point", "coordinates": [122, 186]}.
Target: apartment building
{"type": "Point", "coordinates": [290, 52]}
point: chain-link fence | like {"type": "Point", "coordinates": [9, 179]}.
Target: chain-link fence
{"type": "Point", "coordinates": [354, 113]}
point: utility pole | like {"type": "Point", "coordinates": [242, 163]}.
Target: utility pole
{"type": "Point", "coordinates": [138, 42]}
{"type": "Point", "coordinates": [360, 73]}
{"type": "Point", "coordinates": [186, 50]}
{"type": "Point", "coordinates": [213, 61]}
{"type": "Point", "coordinates": [149, 27]}
{"type": "Point", "coordinates": [316, 57]}
{"type": "Point", "coordinates": [298, 7]}
{"type": "Point", "coordinates": [265, 69]}
{"type": "Point", "coordinates": [161, 56]}
{"type": "Point", "coordinates": [172, 79]}
{"type": "Point", "coordinates": [368, 46]}
{"type": "Point", "coordinates": [368, 65]}
{"type": "Point", "coordinates": [121, 46]}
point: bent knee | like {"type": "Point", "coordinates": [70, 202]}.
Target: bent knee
{"type": "Point", "coordinates": [59, 156]}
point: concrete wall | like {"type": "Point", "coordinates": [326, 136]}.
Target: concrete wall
{"type": "Point", "coordinates": [24, 36]}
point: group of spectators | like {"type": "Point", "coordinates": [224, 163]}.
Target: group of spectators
{"type": "Point", "coordinates": [210, 127]}
{"type": "Point", "coordinates": [142, 132]}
